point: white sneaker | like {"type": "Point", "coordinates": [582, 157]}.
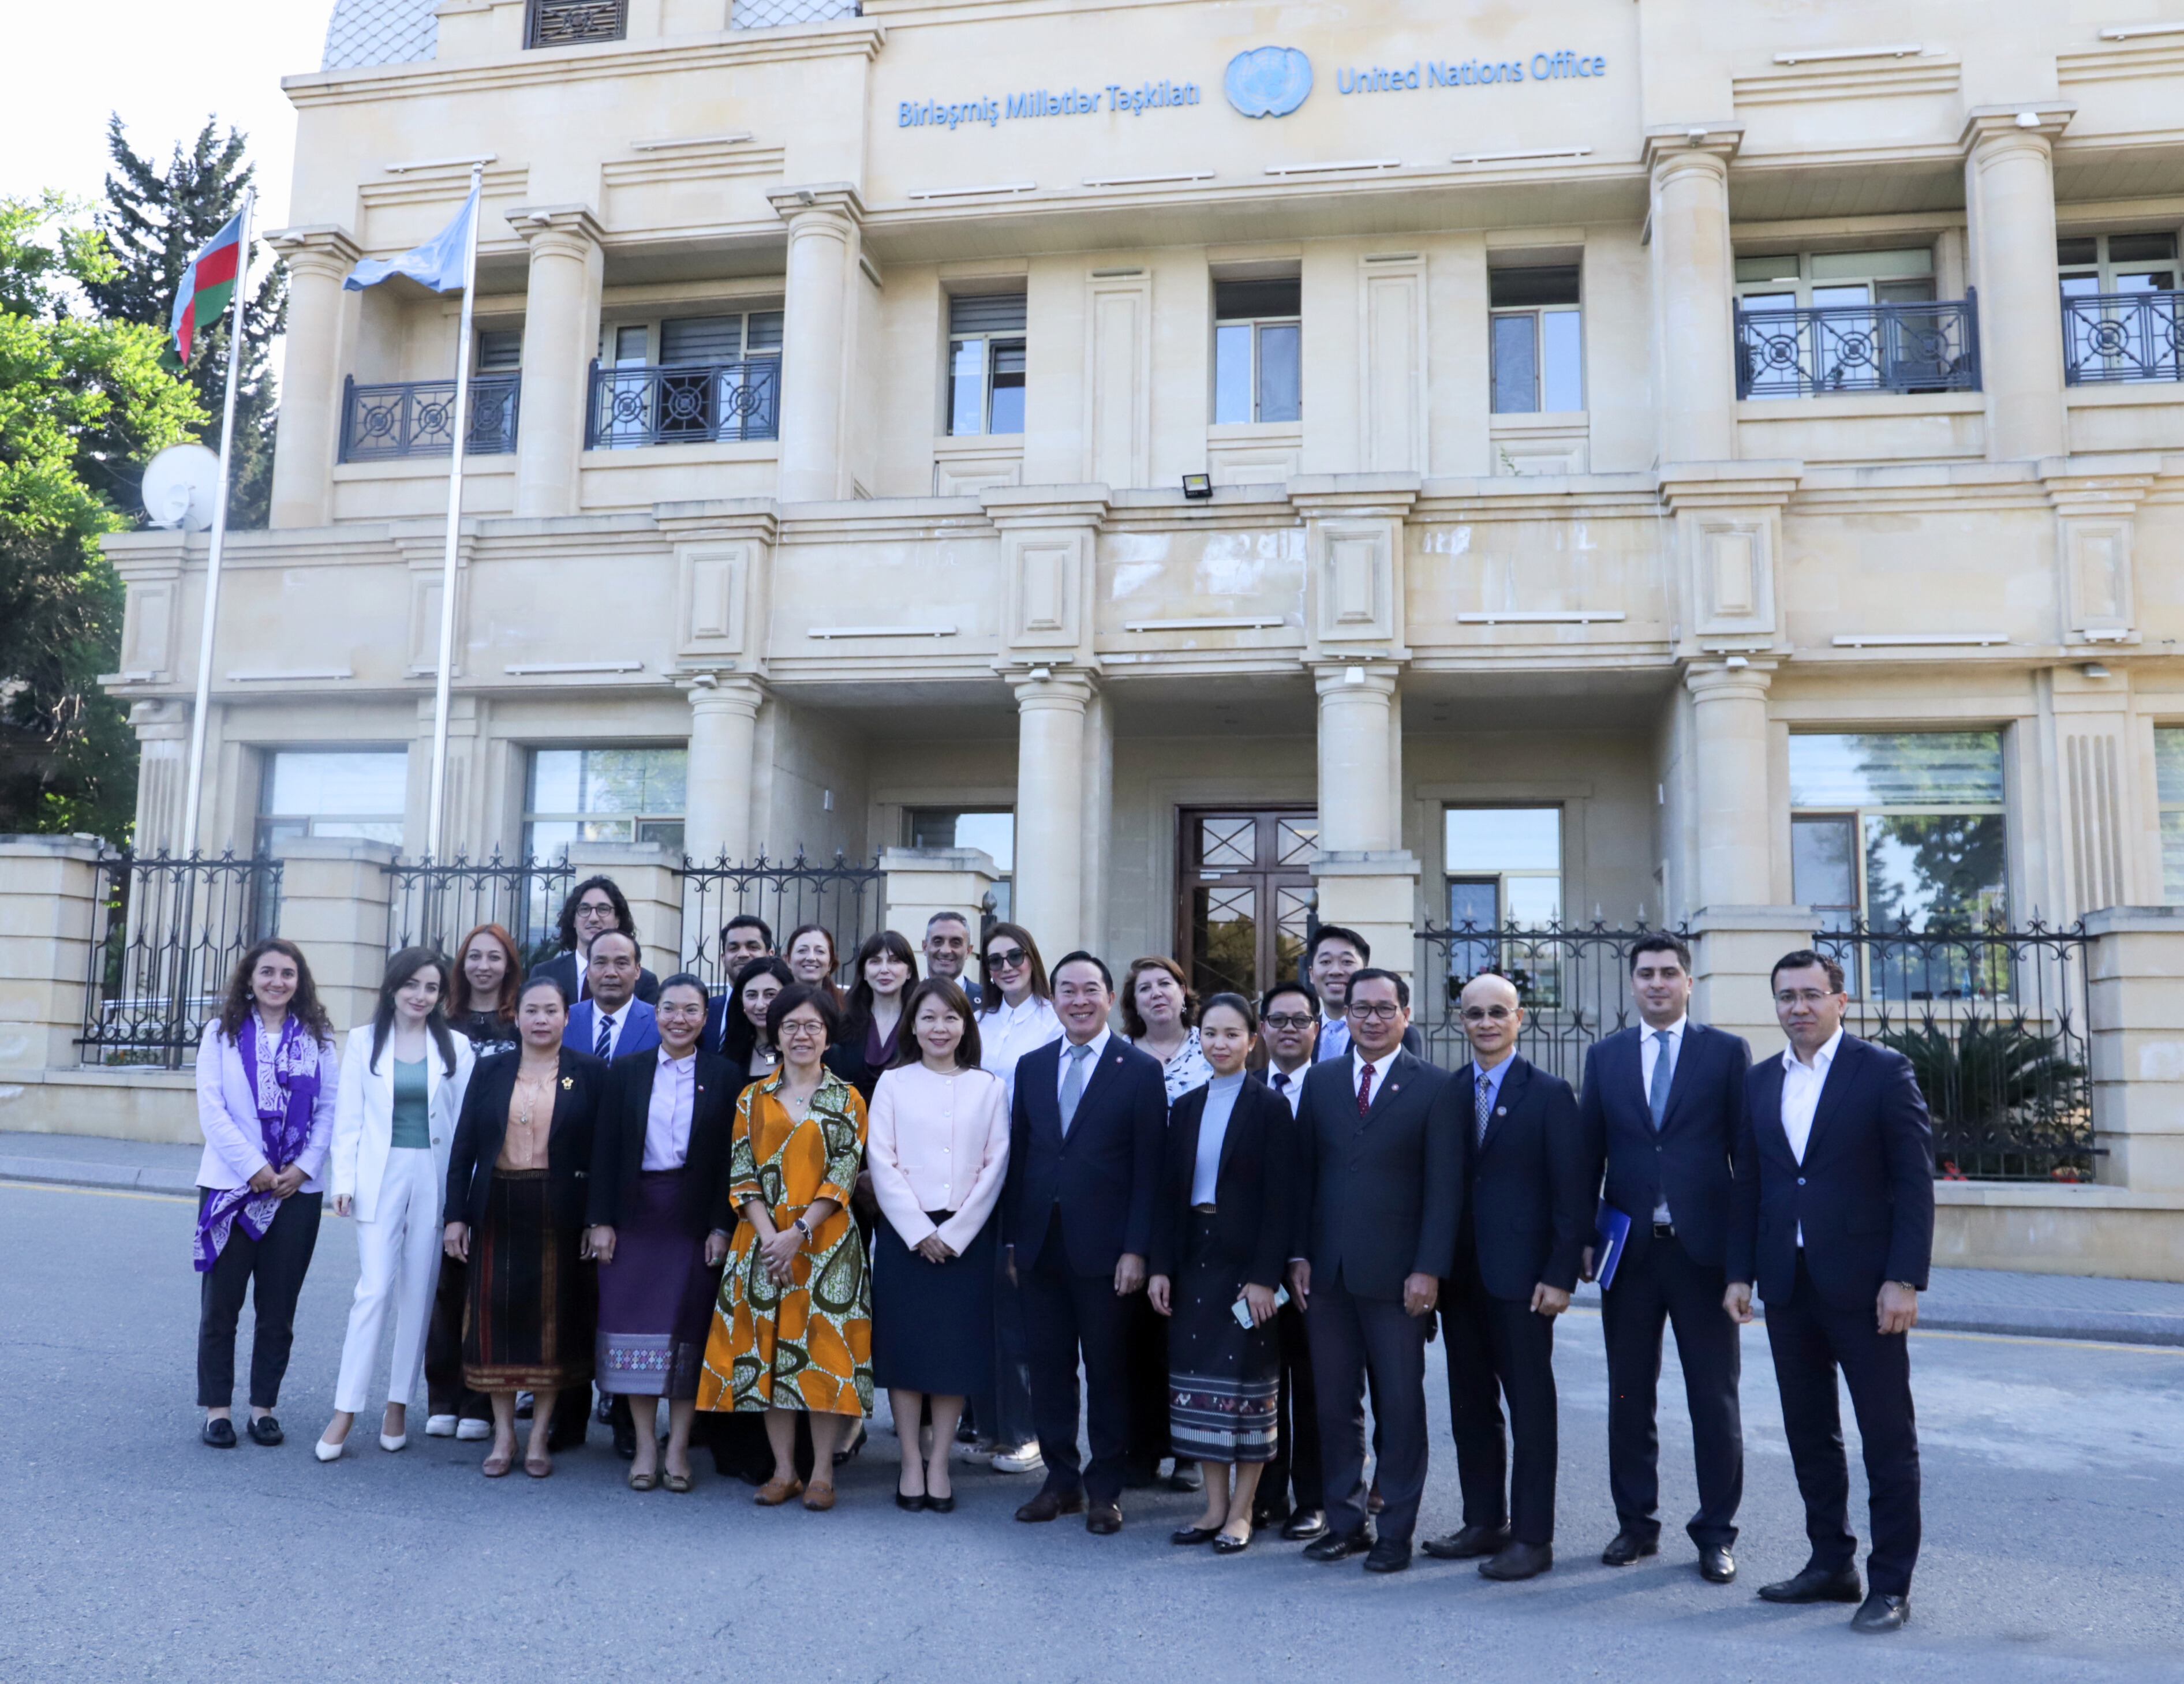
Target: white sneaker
{"type": "Point", "coordinates": [1023, 1459]}
{"type": "Point", "coordinates": [440, 1426]}
{"type": "Point", "coordinates": [474, 1430]}
{"type": "Point", "coordinates": [980, 1451]}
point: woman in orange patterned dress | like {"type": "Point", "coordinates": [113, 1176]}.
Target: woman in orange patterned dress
{"type": "Point", "coordinates": [793, 1332]}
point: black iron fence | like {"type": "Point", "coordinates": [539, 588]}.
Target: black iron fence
{"type": "Point", "coordinates": [171, 933]}
{"type": "Point", "coordinates": [691, 404]}
{"type": "Point", "coordinates": [849, 902]}
{"type": "Point", "coordinates": [417, 418]}
{"type": "Point", "coordinates": [435, 906]}
{"type": "Point", "coordinates": [2123, 336]}
{"type": "Point", "coordinates": [1994, 1020]}
{"type": "Point", "coordinates": [1574, 982]}
{"type": "Point", "coordinates": [1923, 347]}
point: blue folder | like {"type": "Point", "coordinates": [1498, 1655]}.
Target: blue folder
{"type": "Point", "coordinates": [1610, 1229]}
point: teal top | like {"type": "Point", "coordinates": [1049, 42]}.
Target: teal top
{"type": "Point", "coordinates": [413, 1115]}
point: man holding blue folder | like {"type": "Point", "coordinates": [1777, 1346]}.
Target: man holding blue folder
{"type": "Point", "coordinates": [1661, 1106]}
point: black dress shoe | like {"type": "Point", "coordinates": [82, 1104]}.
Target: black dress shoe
{"type": "Point", "coordinates": [1388, 1556]}
{"type": "Point", "coordinates": [266, 1430]}
{"type": "Point", "coordinates": [1515, 1560]}
{"type": "Point", "coordinates": [1305, 1525]}
{"type": "Point", "coordinates": [843, 1456]}
{"type": "Point", "coordinates": [1225, 1545]}
{"type": "Point", "coordinates": [1049, 1505]}
{"type": "Point", "coordinates": [1186, 1477]}
{"type": "Point", "coordinates": [912, 1505]}
{"type": "Point", "coordinates": [1627, 1546]}
{"type": "Point", "coordinates": [1336, 1546]}
{"type": "Point", "coordinates": [1815, 1584]}
{"type": "Point", "coordinates": [1471, 1542]}
{"type": "Point", "coordinates": [940, 1505]}
{"type": "Point", "coordinates": [1267, 1519]}
{"type": "Point", "coordinates": [1717, 1566]}
{"type": "Point", "coordinates": [1882, 1613]}
{"type": "Point", "coordinates": [1374, 1502]}
{"type": "Point", "coordinates": [1104, 1520]}
{"type": "Point", "coordinates": [1189, 1537]}
{"type": "Point", "coordinates": [219, 1432]}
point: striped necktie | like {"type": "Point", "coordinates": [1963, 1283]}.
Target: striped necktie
{"type": "Point", "coordinates": [604, 1045]}
{"type": "Point", "coordinates": [1482, 1102]}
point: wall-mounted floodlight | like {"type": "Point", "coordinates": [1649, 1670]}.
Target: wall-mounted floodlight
{"type": "Point", "coordinates": [1198, 488]}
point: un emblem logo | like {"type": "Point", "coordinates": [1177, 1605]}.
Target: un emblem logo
{"type": "Point", "coordinates": [1268, 82]}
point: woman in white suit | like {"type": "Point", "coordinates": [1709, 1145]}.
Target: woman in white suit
{"type": "Point", "coordinates": [401, 1083]}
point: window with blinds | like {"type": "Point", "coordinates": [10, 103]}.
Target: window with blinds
{"type": "Point", "coordinates": [566, 23]}
{"type": "Point", "coordinates": [986, 363]}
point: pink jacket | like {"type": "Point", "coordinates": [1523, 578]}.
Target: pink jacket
{"type": "Point", "coordinates": [227, 1112]}
{"type": "Point", "coordinates": [937, 1143]}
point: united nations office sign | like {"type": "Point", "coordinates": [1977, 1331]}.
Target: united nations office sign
{"type": "Point", "coordinates": [1268, 82]}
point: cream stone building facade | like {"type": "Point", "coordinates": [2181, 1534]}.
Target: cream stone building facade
{"type": "Point", "coordinates": [1705, 463]}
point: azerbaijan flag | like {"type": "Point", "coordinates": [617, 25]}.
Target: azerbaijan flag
{"type": "Point", "coordinates": [208, 285]}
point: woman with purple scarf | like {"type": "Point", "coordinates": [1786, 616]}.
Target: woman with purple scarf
{"type": "Point", "coordinates": [267, 1076]}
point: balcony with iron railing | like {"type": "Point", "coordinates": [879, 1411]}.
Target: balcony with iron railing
{"type": "Point", "coordinates": [1918, 346]}
{"type": "Point", "coordinates": [417, 418]}
{"type": "Point", "coordinates": [2110, 337]}
{"type": "Point", "coordinates": [692, 403]}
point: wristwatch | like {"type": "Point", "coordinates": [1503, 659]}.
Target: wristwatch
{"type": "Point", "coordinates": [801, 1227]}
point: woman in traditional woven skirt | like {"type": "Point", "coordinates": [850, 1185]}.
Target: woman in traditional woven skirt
{"type": "Point", "coordinates": [660, 1220]}
{"type": "Point", "coordinates": [793, 1332]}
{"type": "Point", "coordinates": [1221, 1238]}
{"type": "Point", "coordinates": [515, 1216]}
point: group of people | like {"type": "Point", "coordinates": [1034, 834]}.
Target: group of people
{"type": "Point", "coordinates": [1238, 1219]}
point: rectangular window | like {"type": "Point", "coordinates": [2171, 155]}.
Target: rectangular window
{"type": "Point", "coordinates": [357, 794]}
{"type": "Point", "coordinates": [499, 350]}
{"type": "Point", "coordinates": [2169, 788]}
{"type": "Point", "coordinates": [1258, 351]}
{"type": "Point", "coordinates": [1504, 871]}
{"type": "Point", "coordinates": [2109, 264]}
{"type": "Point", "coordinates": [611, 794]}
{"type": "Point", "coordinates": [1802, 280]}
{"type": "Point", "coordinates": [1538, 340]}
{"type": "Point", "coordinates": [986, 364]}
{"type": "Point", "coordinates": [565, 23]}
{"type": "Point", "coordinates": [992, 828]}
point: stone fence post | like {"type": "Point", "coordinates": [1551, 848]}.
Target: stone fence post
{"type": "Point", "coordinates": [923, 881]}
{"type": "Point", "coordinates": [334, 895]}
{"type": "Point", "coordinates": [48, 930]}
{"type": "Point", "coordinates": [2134, 1033]}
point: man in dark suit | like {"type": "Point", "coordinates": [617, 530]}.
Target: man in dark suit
{"type": "Point", "coordinates": [1380, 1179]}
{"type": "Point", "coordinates": [594, 906]}
{"type": "Point", "coordinates": [1527, 1214]}
{"type": "Point", "coordinates": [1836, 1226]}
{"type": "Point", "coordinates": [1663, 1105]}
{"type": "Point", "coordinates": [1289, 1021]}
{"type": "Point", "coordinates": [1086, 1134]}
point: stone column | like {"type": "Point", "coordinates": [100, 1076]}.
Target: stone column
{"type": "Point", "coordinates": [49, 929]}
{"type": "Point", "coordinates": [723, 733]}
{"type": "Point", "coordinates": [1730, 754]}
{"type": "Point", "coordinates": [1694, 315]}
{"type": "Point", "coordinates": [647, 875]}
{"type": "Point", "coordinates": [2009, 193]}
{"type": "Point", "coordinates": [924, 881]}
{"type": "Point", "coordinates": [162, 747]}
{"type": "Point", "coordinates": [333, 906]}
{"type": "Point", "coordinates": [1050, 800]}
{"type": "Point", "coordinates": [816, 339]}
{"type": "Point", "coordinates": [1366, 880]}
{"type": "Point", "coordinates": [561, 341]}
{"type": "Point", "coordinates": [319, 259]}
{"type": "Point", "coordinates": [2136, 1020]}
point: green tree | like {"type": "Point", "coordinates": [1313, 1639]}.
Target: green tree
{"type": "Point", "coordinates": [82, 403]}
{"type": "Point", "coordinates": [155, 221]}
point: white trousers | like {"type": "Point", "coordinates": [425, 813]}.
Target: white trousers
{"type": "Point", "coordinates": [397, 1259]}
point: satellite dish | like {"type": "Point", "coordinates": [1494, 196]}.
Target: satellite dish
{"type": "Point", "coordinates": [181, 485]}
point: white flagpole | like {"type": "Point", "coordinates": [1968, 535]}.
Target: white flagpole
{"type": "Point", "coordinates": [235, 354]}
{"type": "Point", "coordinates": [454, 529]}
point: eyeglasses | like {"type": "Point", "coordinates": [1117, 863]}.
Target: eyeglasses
{"type": "Point", "coordinates": [1287, 1021]}
{"type": "Point", "coordinates": [596, 909]}
{"type": "Point", "coordinates": [798, 1031]}
{"type": "Point", "coordinates": [1487, 1014]}
{"type": "Point", "coordinates": [1386, 1010]}
{"type": "Point", "coordinates": [1009, 959]}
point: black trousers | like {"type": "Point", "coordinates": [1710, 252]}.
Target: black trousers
{"type": "Point", "coordinates": [1149, 1387]}
{"type": "Point", "coordinates": [271, 1270]}
{"type": "Point", "coordinates": [1066, 1314]}
{"type": "Point", "coordinates": [1353, 1337]}
{"type": "Point", "coordinates": [1658, 1283]}
{"type": "Point", "coordinates": [1498, 1348]}
{"type": "Point", "coordinates": [1811, 1339]}
{"type": "Point", "coordinates": [1293, 1478]}
{"type": "Point", "coordinates": [443, 1350]}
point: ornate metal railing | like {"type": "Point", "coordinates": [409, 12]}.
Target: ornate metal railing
{"type": "Point", "coordinates": [1994, 1020]}
{"type": "Point", "coordinates": [563, 23]}
{"type": "Point", "coordinates": [417, 418]}
{"type": "Point", "coordinates": [1574, 982]}
{"type": "Point", "coordinates": [2123, 336]}
{"type": "Point", "coordinates": [1924, 346]}
{"type": "Point", "coordinates": [430, 905]}
{"type": "Point", "coordinates": [693, 404]}
{"type": "Point", "coordinates": [766, 13]}
{"type": "Point", "coordinates": [849, 901]}
{"type": "Point", "coordinates": [172, 932]}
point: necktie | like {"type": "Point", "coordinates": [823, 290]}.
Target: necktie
{"type": "Point", "coordinates": [1282, 1082]}
{"type": "Point", "coordinates": [1482, 1103]}
{"type": "Point", "coordinates": [1364, 1089]}
{"type": "Point", "coordinates": [605, 1047]}
{"type": "Point", "coordinates": [1664, 1071]}
{"type": "Point", "coordinates": [1073, 1085]}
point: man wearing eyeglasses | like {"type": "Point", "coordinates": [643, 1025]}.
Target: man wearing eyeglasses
{"type": "Point", "coordinates": [1527, 1215]}
{"type": "Point", "coordinates": [1662, 1104]}
{"type": "Point", "coordinates": [1336, 954]}
{"type": "Point", "coordinates": [1378, 1195]}
{"type": "Point", "coordinates": [1836, 1226]}
{"type": "Point", "coordinates": [1289, 1025]}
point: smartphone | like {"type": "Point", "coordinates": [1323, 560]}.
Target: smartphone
{"type": "Point", "coordinates": [1243, 1311]}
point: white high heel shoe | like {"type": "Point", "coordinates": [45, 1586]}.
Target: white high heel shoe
{"type": "Point", "coordinates": [394, 1442]}
{"type": "Point", "coordinates": [329, 1452]}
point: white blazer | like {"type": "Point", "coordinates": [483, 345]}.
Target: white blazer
{"type": "Point", "coordinates": [363, 1114]}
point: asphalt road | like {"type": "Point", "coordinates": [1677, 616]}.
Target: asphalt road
{"type": "Point", "coordinates": [2054, 1479]}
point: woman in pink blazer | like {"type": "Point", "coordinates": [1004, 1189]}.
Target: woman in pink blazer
{"type": "Point", "coordinates": [939, 1152]}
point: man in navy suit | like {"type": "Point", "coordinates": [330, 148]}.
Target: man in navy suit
{"type": "Point", "coordinates": [1836, 1226]}
{"type": "Point", "coordinates": [744, 937]}
{"type": "Point", "coordinates": [1087, 1130]}
{"type": "Point", "coordinates": [1662, 1106]}
{"type": "Point", "coordinates": [1528, 1207]}
{"type": "Point", "coordinates": [611, 1021]}
{"type": "Point", "coordinates": [1381, 1180]}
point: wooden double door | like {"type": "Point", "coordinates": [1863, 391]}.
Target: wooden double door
{"type": "Point", "coordinates": [1243, 896]}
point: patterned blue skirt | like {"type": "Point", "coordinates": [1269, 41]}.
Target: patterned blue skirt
{"type": "Point", "coordinates": [1222, 1379]}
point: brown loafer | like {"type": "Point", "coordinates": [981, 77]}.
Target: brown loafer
{"type": "Point", "coordinates": [819, 1497]}
{"type": "Point", "coordinates": [1050, 1504]}
{"type": "Point", "coordinates": [496, 1466]}
{"type": "Point", "coordinates": [539, 1467]}
{"type": "Point", "coordinates": [675, 1482]}
{"type": "Point", "coordinates": [775, 1493]}
{"type": "Point", "coordinates": [642, 1481]}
